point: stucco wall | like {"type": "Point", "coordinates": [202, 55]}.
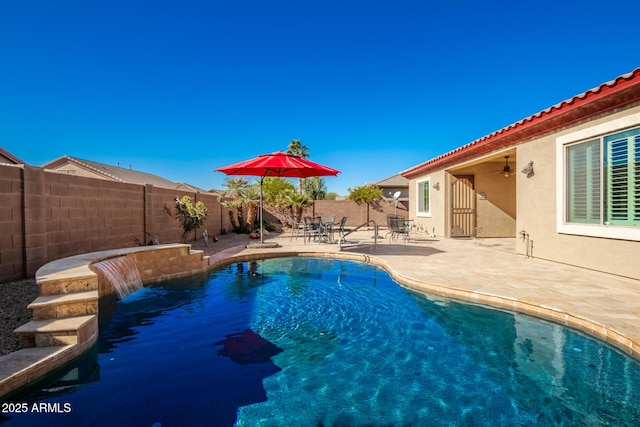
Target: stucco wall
{"type": "Point", "coordinates": [536, 213]}
{"type": "Point", "coordinates": [436, 222]}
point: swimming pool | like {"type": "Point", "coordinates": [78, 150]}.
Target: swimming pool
{"type": "Point", "coordinates": [314, 341]}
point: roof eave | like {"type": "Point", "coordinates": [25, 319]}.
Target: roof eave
{"type": "Point", "coordinates": [617, 94]}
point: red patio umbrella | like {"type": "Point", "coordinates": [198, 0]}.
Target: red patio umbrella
{"type": "Point", "coordinates": [277, 164]}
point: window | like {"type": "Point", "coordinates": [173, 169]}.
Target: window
{"type": "Point", "coordinates": [622, 178]}
{"type": "Point", "coordinates": [423, 198]}
{"type": "Point", "coordinates": [583, 182]}
{"type": "Point", "coordinates": [601, 188]}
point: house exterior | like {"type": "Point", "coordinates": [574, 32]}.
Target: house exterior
{"type": "Point", "coordinates": [79, 167]}
{"type": "Point", "coordinates": [565, 183]}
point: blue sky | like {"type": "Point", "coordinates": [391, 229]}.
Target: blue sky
{"type": "Point", "coordinates": [370, 87]}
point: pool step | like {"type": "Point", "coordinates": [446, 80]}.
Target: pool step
{"type": "Point", "coordinates": [69, 284]}
{"type": "Point", "coordinates": [66, 313]}
{"type": "Point", "coordinates": [56, 332]}
{"type": "Point", "coordinates": [65, 305]}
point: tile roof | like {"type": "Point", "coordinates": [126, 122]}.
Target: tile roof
{"type": "Point", "coordinates": [620, 92]}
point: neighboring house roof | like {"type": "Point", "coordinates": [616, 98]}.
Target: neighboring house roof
{"type": "Point", "coordinates": [394, 181]}
{"type": "Point", "coordinates": [116, 173]}
{"type": "Point", "coordinates": [7, 157]}
{"type": "Point", "coordinates": [617, 93]}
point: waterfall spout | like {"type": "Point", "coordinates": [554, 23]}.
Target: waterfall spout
{"type": "Point", "coordinates": [122, 273]}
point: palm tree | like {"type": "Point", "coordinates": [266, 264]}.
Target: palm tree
{"type": "Point", "coordinates": [251, 198]}
{"type": "Point", "coordinates": [236, 188]}
{"type": "Point", "coordinates": [297, 149]}
{"type": "Point", "coordinates": [298, 202]}
{"type": "Point", "coordinates": [229, 204]}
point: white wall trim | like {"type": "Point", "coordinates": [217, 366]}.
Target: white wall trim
{"type": "Point", "coordinates": [418, 195]}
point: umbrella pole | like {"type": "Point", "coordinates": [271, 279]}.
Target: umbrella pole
{"type": "Point", "coordinates": [261, 238]}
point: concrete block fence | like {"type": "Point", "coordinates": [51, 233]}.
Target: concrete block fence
{"type": "Point", "coordinates": [46, 215]}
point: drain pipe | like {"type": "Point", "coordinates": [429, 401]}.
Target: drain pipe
{"type": "Point", "coordinates": [23, 214]}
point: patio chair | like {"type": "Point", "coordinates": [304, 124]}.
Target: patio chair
{"type": "Point", "coordinates": [328, 219]}
{"type": "Point", "coordinates": [398, 226]}
{"type": "Point", "coordinates": [340, 227]}
{"type": "Point", "coordinates": [297, 228]}
{"type": "Point", "coordinates": [328, 226]}
{"type": "Point", "coordinates": [312, 228]}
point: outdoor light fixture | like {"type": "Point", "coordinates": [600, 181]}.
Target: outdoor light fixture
{"type": "Point", "coordinates": [528, 169]}
{"type": "Point", "coordinates": [437, 185]}
{"type": "Point", "coordinates": [506, 171]}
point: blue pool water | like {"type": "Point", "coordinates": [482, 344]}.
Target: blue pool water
{"type": "Point", "coordinates": [310, 342]}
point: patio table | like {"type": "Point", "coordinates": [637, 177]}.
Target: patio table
{"type": "Point", "coordinates": [327, 230]}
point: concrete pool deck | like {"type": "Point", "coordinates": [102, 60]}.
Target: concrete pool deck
{"type": "Point", "coordinates": [489, 272]}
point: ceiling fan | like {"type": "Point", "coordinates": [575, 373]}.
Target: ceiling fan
{"type": "Point", "coordinates": [506, 170]}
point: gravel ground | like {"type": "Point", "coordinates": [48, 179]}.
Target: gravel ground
{"type": "Point", "coordinates": [14, 298]}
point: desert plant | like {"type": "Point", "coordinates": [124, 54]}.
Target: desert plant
{"type": "Point", "coordinates": [191, 215]}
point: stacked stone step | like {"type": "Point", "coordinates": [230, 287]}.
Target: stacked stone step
{"type": "Point", "coordinates": [65, 312]}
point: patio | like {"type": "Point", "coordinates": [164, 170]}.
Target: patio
{"type": "Point", "coordinates": [485, 271]}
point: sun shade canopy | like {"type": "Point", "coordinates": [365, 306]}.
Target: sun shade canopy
{"type": "Point", "coordinates": [278, 164]}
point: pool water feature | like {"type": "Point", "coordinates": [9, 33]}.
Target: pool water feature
{"type": "Point", "coordinates": [122, 273]}
{"type": "Point", "coordinates": [313, 341]}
